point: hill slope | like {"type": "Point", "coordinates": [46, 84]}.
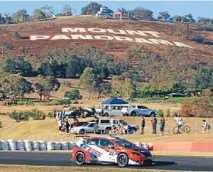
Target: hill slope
{"type": "Point", "coordinates": [170, 32]}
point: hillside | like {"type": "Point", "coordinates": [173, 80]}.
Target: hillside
{"type": "Point", "coordinates": [158, 51]}
{"type": "Point", "coordinates": [170, 32]}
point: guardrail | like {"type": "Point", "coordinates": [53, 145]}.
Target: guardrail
{"type": "Point", "coordinates": [27, 145]}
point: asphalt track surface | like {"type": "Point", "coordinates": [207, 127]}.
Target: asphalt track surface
{"type": "Point", "coordinates": [63, 159]}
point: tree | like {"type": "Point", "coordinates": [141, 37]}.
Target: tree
{"type": "Point", "coordinates": [2, 19]}
{"type": "Point", "coordinates": [142, 13]}
{"type": "Point", "coordinates": [67, 10]}
{"type": "Point", "coordinates": [45, 69]}
{"type": "Point", "coordinates": [20, 16]}
{"type": "Point", "coordinates": [177, 18]}
{"type": "Point", "coordinates": [188, 18]}
{"type": "Point", "coordinates": [74, 94]}
{"type": "Point", "coordinates": [90, 80]}
{"type": "Point", "coordinates": [124, 11]}
{"type": "Point", "coordinates": [8, 19]}
{"type": "Point", "coordinates": [14, 86]}
{"type": "Point", "coordinates": [205, 20]}
{"type": "Point", "coordinates": [48, 11]}
{"type": "Point", "coordinates": [204, 79]}
{"type": "Point", "coordinates": [91, 8]}
{"type": "Point", "coordinates": [38, 14]}
{"type": "Point", "coordinates": [164, 15]}
{"type": "Point", "coordinates": [104, 88]}
{"type": "Point", "coordinates": [9, 66]}
{"type": "Point", "coordinates": [127, 88]}
{"type": "Point", "coordinates": [45, 85]}
{"type": "Point", "coordinates": [18, 65]}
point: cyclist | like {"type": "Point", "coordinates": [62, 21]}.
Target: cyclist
{"type": "Point", "coordinates": [179, 122]}
{"type": "Point", "coordinates": [205, 126]}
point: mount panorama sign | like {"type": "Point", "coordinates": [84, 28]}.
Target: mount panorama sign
{"type": "Point", "coordinates": [143, 37]}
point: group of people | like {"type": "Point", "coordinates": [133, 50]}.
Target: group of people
{"type": "Point", "coordinates": [154, 123]}
{"type": "Point", "coordinates": [121, 129]}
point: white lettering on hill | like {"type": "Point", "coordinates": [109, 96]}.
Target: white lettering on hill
{"type": "Point", "coordinates": [121, 35]}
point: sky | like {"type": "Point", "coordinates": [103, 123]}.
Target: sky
{"type": "Point", "coordinates": [196, 8]}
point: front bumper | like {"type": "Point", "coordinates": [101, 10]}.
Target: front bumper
{"type": "Point", "coordinates": [74, 131]}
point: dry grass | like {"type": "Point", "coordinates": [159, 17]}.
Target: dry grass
{"type": "Point", "coordinates": [9, 168]}
{"type": "Point", "coordinates": [47, 130]}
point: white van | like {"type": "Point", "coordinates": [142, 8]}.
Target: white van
{"type": "Point", "coordinates": [112, 109]}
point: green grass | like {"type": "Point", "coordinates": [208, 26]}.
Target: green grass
{"type": "Point", "coordinates": [162, 100]}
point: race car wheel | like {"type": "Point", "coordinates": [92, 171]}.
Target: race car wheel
{"type": "Point", "coordinates": [122, 160]}
{"type": "Point", "coordinates": [79, 158]}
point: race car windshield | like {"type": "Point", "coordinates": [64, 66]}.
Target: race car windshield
{"type": "Point", "coordinates": [125, 144]}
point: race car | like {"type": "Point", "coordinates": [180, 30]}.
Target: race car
{"type": "Point", "coordinates": [109, 150]}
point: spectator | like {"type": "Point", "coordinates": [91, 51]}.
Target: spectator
{"type": "Point", "coordinates": [122, 129]}
{"type": "Point", "coordinates": [162, 125]}
{"type": "Point", "coordinates": [75, 117]}
{"type": "Point", "coordinates": [142, 125]}
{"type": "Point", "coordinates": [67, 126]}
{"type": "Point", "coordinates": [54, 113]}
{"type": "Point", "coordinates": [93, 111]}
{"type": "Point", "coordinates": [205, 126]}
{"type": "Point", "coordinates": [60, 126]}
{"type": "Point", "coordinates": [154, 125]}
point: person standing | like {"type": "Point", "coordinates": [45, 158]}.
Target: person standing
{"type": "Point", "coordinates": [142, 125]}
{"type": "Point", "coordinates": [162, 125]}
{"type": "Point", "coordinates": [154, 125]}
{"type": "Point", "coordinates": [67, 126]}
{"type": "Point", "coordinates": [60, 125]}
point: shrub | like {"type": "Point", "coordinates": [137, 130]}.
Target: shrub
{"type": "Point", "coordinates": [17, 35]}
{"type": "Point", "coordinates": [19, 116]}
{"type": "Point", "coordinates": [50, 115]}
{"type": "Point", "coordinates": [199, 107]}
{"type": "Point", "coordinates": [65, 102]}
{"type": "Point", "coordinates": [168, 113]}
{"type": "Point", "coordinates": [198, 39]}
{"type": "Point", "coordinates": [109, 45]}
{"type": "Point", "coordinates": [74, 94]}
{"type": "Point", "coordinates": [57, 102]}
{"type": "Point", "coordinates": [207, 92]}
{"type": "Point", "coordinates": [0, 124]}
{"type": "Point", "coordinates": [35, 114]}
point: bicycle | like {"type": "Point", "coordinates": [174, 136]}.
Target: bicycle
{"type": "Point", "coordinates": [182, 129]}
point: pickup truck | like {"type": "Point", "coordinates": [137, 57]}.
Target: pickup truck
{"type": "Point", "coordinates": [105, 125]}
{"type": "Point", "coordinates": [138, 111]}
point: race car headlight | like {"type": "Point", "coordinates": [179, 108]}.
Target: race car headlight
{"type": "Point", "coordinates": [136, 154]}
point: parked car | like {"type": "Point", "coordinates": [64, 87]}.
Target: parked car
{"type": "Point", "coordinates": [88, 127]}
{"type": "Point", "coordinates": [138, 111]}
{"type": "Point", "coordinates": [105, 125]}
{"type": "Point", "coordinates": [111, 150]}
{"type": "Point", "coordinates": [77, 124]}
{"type": "Point", "coordinates": [84, 113]}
